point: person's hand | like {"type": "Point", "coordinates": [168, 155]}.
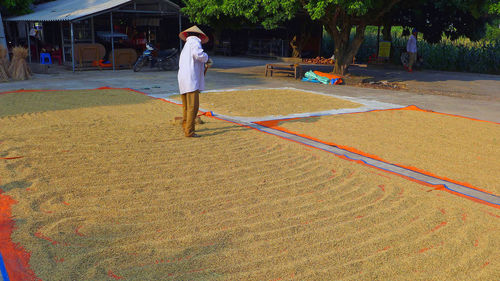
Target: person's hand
{"type": "Point", "coordinates": [208, 64]}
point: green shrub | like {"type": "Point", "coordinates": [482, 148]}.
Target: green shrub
{"type": "Point", "coordinates": [459, 55]}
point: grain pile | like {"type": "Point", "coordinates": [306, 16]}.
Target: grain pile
{"type": "Point", "coordinates": [113, 191]}
{"type": "Point", "coordinates": [19, 69]}
{"type": "Point", "coordinates": [258, 103]}
{"type": "Point", "coordinates": [456, 148]}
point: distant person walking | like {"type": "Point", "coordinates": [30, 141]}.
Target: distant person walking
{"type": "Point", "coordinates": [191, 76]}
{"type": "Point", "coordinates": [411, 49]}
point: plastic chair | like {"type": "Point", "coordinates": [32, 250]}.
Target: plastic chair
{"type": "Point", "coordinates": [45, 58]}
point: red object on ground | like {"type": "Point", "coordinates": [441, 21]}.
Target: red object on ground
{"type": "Point", "coordinates": [15, 258]}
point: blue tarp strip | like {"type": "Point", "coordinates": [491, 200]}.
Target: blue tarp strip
{"type": "Point", "coordinates": [3, 270]}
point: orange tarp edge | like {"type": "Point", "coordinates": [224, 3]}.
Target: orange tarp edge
{"type": "Point", "coordinates": [274, 124]}
{"type": "Point", "coordinates": [329, 76]}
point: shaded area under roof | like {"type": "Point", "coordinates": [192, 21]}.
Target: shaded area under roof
{"type": "Point", "coordinates": [69, 10]}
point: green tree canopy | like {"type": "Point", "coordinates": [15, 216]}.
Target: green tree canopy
{"type": "Point", "coordinates": [16, 7]}
{"type": "Point", "coordinates": [452, 18]}
{"type": "Point", "coordinates": [338, 16]}
{"type": "Point", "coordinates": [432, 17]}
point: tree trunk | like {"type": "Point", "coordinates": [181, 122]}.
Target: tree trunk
{"type": "Point", "coordinates": [345, 49]}
{"type": "Point", "coordinates": [299, 41]}
{"type": "Point", "coordinates": [386, 32]}
{"type": "Point", "coordinates": [338, 23]}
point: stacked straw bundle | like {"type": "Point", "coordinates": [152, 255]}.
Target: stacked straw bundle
{"type": "Point", "coordinates": [19, 69]}
{"type": "Point", "coordinates": [4, 65]}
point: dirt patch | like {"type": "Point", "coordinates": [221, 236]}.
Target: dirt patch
{"type": "Point", "coordinates": [269, 102]}
{"type": "Point", "coordinates": [457, 148]}
{"type": "Point", "coordinates": [117, 192]}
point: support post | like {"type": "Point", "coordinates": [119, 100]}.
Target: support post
{"type": "Point", "coordinates": [180, 30]}
{"type": "Point", "coordinates": [2, 35]}
{"type": "Point", "coordinates": [72, 47]}
{"type": "Point", "coordinates": [29, 43]}
{"type": "Point", "coordinates": [378, 41]}
{"type": "Point", "coordinates": [62, 42]}
{"type": "Point", "coordinates": [92, 29]}
{"type": "Point", "coordinates": [112, 39]}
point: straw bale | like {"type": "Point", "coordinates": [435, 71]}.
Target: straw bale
{"type": "Point", "coordinates": [125, 57]}
{"type": "Point", "coordinates": [87, 53]}
{"type": "Point", "coordinates": [460, 149]}
{"type": "Point", "coordinates": [114, 191]}
{"type": "Point", "coordinates": [4, 65]}
{"type": "Point", "coordinates": [19, 69]}
{"type": "Point", "coordinates": [269, 102]}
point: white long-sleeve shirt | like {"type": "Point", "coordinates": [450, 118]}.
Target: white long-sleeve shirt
{"type": "Point", "coordinates": [192, 66]}
{"type": "Point", "coordinates": [411, 46]}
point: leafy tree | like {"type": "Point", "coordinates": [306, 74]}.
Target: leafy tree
{"type": "Point", "coordinates": [213, 16]}
{"type": "Point", "coordinates": [339, 17]}
{"type": "Point", "coordinates": [451, 18]}
{"type": "Point", "coordinates": [16, 7]}
{"type": "Point", "coordinates": [493, 31]}
{"type": "Point", "coordinates": [493, 7]}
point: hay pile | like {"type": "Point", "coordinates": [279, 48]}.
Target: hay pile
{"type": "Point", "coordinates": [19, 69]}
{"type": "Point", "coordinates": [456, 148]}
{"type": "Point", "coordinates": [258, 103]}
{"type": "Point", "coordinates": [4, 65]}
{"type": "Point", "coordinates": [114, 191]}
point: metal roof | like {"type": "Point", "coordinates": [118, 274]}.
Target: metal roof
{"type": "Point", "coordinates": [69, 10]}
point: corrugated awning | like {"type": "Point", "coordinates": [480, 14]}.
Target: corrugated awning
{"type": "Point", "coordinates": [69, 10]}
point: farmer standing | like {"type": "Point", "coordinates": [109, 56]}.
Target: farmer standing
{"type": "Point", "coordinates": [411, 49]}
{"type": "Point", "coordinates": [191, 76]}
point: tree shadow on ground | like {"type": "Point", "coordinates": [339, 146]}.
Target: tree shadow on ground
{"type": "Point", "coordinates": [225, 62]}
{"type": "Point", "coordinates": [393, 73]}
{"type": "Point", "coordinates": [41, 101]}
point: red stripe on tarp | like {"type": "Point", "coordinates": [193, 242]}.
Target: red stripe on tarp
{"type": "Point", "coordinates": [11, 158]}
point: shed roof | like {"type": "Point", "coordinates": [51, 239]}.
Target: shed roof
{"type": "Point", "coordinates": [69, 10]}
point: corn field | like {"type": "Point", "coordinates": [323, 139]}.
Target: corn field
{"type": "Point", "coordinates": [459, 55]}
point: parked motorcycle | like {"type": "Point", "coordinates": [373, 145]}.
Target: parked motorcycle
{"type": "Point", "coordinates": [163, 59]}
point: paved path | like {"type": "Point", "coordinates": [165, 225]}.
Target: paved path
{"type": "Point", "coordinates": [472, 95]}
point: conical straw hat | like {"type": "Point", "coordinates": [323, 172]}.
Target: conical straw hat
{"type": "Point", "coordinates": [195, 29]}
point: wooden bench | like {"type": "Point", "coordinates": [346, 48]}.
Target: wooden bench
{"type": "Point", "coordinates": [283, 68]}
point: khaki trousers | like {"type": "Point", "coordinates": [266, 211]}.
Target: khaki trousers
{"type": "Point", "coordinates": [413, 58]}
{"type": "Point", "coordinates": [190, 106]}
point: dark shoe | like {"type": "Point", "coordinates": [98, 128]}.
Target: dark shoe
{"type": "Point", "coordinates": [193, 136]}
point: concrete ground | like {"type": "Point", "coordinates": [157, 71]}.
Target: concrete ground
{"type": "Point", "coordinates": [467, 94]}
